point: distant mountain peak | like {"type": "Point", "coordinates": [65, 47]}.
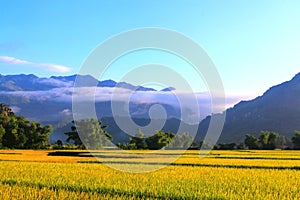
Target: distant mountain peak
{"type": "Point", "coordinates": [168, 89]}
{"type": "Point", "coordinates": [71, 77]}
{"type": "Point", "coordinates": [107, 83]}
{"type": "Point", "coordinates": [20, 76]}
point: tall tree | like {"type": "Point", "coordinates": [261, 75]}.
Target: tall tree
{"type": "Point", "coordinates": [73, 135]}
{"type": "Point", "coordinates": [268, 140]}
{"type": "Point", "coordinates": [92, 134]}
{"type": "Point", "coordinates": [273, 140]}
{"type": "Point", "coordinates": [159, 140]}
{"type": "Point", "coordinates": [181, 141]}
{"type": "Point", "coordinates": [251, 141]}
{"type": "Point", "coordinates": [263, 139]}
{"type": "Point", "coordinates": [36, 134]}
{"type": "Point", "coordinates": [296, 140]}
{"type": "Point", "coordinates": [2, 132]}
{"type": "Point", "coordinates": [14, 136]}
{"type": "Point", "coordinates": [138, 142]}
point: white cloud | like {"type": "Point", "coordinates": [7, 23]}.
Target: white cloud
{"type": "Point", "coordinates": [66, 112]}
{"type": "Point", "coordinates": [45, 66]}
{"type": "Point", "coordinates": [53, 67]}
{"type": "Point", "coordinates": [101, 94]}
{"type": "Point", "coordinates": [13, 61]}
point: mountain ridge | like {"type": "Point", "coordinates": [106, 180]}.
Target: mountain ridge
{"type": "Point", "coordinates": [30, 82]}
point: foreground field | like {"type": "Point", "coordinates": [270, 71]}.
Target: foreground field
{"type": "Point", "coordinates": [221, 175]}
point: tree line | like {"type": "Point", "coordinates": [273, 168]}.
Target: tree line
{"type": "Point", "coordinates": [267, 140]}
{"type": "Point", "coordinates": [159, 140]}
{"type": "Point", "coordinates": [90, 134]}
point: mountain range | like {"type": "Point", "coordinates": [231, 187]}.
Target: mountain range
{"type": "Point", "coordinates": [49, 100]}
{"type": "Point", "coordinates": [31, 82]}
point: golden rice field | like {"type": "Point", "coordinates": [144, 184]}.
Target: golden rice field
{"type": "Point", "coordinates": [28, 174]}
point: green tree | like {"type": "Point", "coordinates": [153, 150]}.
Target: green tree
{"type": "Point", "coordinates": [205, 145]}
{"type": "Point", "coordinates": [92, 134]}
{"type": "Point", "coordinates": [227, 146]}
{"type": "Point", "coordinates": [138, 142]}
{"type": "Point", "coordinates": [58, 145]}
{"type": "Point", "coordinates": [181, 141]}
{"type": "Point", "coordinates": [2, 132]}
{"type": "Point", "coordinates": [241, 146]}
{"type": "Point", "coordinates": [17, 132]}
{"type": "Point", "coordinates": [268, 140]}
{"type": "Point", "coordinates": [263, 139]}
{"type": "Point", "coordinates": [14, 137]}
{"type": "Point", "coordinates": [282, 142]}
{"type": "Point", "coordinates": [296, 140]}
{"type": "Point", "coordinates": [159, 140]}
{"type": "Point", "coordinates": [251, 141]}
{"type": "Point", "coordinates": [73, 135]}
{"type": "Point", "coordinates": [37, 136]}
{"type": "Point", "coordinates": [273, 140]}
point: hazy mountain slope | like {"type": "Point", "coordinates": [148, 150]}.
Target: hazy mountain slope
{"type": "Point", "coordinates": [278, 109]}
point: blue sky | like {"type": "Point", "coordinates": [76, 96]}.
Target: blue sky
{"type": "Point", "coordinates": [254, 44]}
